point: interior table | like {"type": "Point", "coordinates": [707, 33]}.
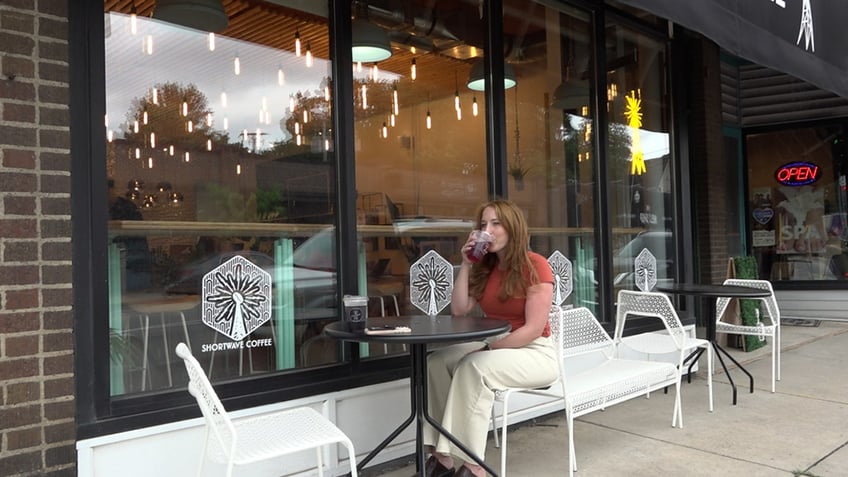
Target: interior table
{"type": "Point", "coordinates": [424, 330]}
{"type": "Point", "coordinates": [715, 291]}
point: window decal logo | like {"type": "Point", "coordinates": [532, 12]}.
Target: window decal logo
{"type": "Point", "coordinates": [236, 298]}
{"type": "Point", "coordinates": [806, 31]}
{"type": "Point", "coordinates": [431, 283]}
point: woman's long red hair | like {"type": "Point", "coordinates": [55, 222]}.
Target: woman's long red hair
{"type": "Point", "coordinates": [517, 265]}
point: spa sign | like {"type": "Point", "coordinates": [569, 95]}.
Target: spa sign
{"type": "Point", "coordinates": [797, 173]}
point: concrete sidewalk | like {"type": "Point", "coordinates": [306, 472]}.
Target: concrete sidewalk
{"type": "Point", "coordinates": [801, 430]}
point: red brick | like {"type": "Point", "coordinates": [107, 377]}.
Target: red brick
{"type": "Point", "coordinates": [23, 439]}
{"type": "Point", "coordinates": [17, 182]}
{"type": "Point", "coordinates": [20, 393]}
{"type": "Point", "coordinates": [20, 252]}
{"type": "Point", "coordinates": [56, 365]}
{"type": "Point", "coordinates": [18, 322]}
{"type": "Point", "coordinates": [59, 410]}
{"type": "Point", "coordinates": [19, 205]}
{"type": "Point", "coordinates": [55, 274]}
{"type": "Point", "coordinates": [18, 158]}
{"type": "Point", "coordinates": [19, 113]}
{"type": "Point", "coordinates": [52, 28]}
{"type": "Point", "coordinates": [17, 68]}
{"type": "Point", "coordinates": [19, 346]}
{"type": "Point", "coordinates": [15, 44]}
{"type": "Point", "coordinates": [49, 116]}
{"type": "Point", "coordinates": [51, 297]}
{"type": "Point", "coordinates": [57, 388]}
{"type": "Point", "coordinates": [60, 455]}
{"type": "Point", "coordinates": [18, 228]}
{"type": "Point", "coordinates": [56, 206]}
{"type": "Point", "coordinates": [61, 432]}
{"type": "Point", "coordinates": [58, 251]}
{"type": "Point", "coordinates": [17, 90]}
{"type": "Point", "coordinates": [19, 275]}
{"type": "Point", "coordinates": [17, 22]}
{"type": "Point", "coordinates": [58, 320]}
{"type": "Point", "coordinates": [20, 416]}
{"type": "Point", "coordinates": [21, 299]}
{"type": "Point", "coordinates": [18, 368]}
{"type": "Point", "coordinates": [54, 138]}
{"type": "Point", "coordinates": [59, 341]}
{"type": "Point", "coordinates": [55, 184]}
{"type": "Point", "coordinates": [16, 135]}
{"type": "Point", "coordinates": [53, 50]}
{"type": "Point", "coordinates": [52, 161]}
{"type": "Point", "coordinates": [19, 464]}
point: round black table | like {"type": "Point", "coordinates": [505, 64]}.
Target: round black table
{"type": "Point", "coordinates": [424, 330]}
{"type": "Point", "coordinates": [715, 291]}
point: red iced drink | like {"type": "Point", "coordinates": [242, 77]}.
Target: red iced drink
{"type": "Point", "coordinates": [481, 246]}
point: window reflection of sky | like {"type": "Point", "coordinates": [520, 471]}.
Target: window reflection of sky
{"type": "Point", "coordinates": [182, 55]}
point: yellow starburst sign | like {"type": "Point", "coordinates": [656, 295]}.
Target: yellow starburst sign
{"type": "Point", "coordinates": [633, 114]}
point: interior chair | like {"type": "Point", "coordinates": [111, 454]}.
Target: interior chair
{"type": "Point", "coordinates": [771, 327]}
{"type": "Point", "coordinates": [254, 439]}
{"type": "Point", "coordinates": [503, 395]}
{"type": "Point", "coordinates": [673, 339]}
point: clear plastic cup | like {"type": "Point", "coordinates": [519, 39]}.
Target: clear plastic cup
{"type": "Point", "coordinates": [482, 242]}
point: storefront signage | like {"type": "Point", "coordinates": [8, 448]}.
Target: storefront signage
{"type": "Point", "coordinates": [797, 173]}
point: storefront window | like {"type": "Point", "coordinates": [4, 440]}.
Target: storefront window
{"type": "Point", "coordinates": [797, 203]}
{"type": "Point", "coordinates": [219, 162]}
{"type": "Point", "coordinates": [551, 153]}
{"type": "Point", "coordinates": [639, 161]}
{"type": "Point", "coordinates": [419, 143]}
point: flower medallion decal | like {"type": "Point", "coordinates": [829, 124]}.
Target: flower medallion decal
{"type": "Point", "coordinates": [645, 267]}
{"type": "Point", "coordinates": [561, 266]}
{"type": "Point", "coordinates": [236, 298]}
{"type": "Point", "coordinates": [431, 283]}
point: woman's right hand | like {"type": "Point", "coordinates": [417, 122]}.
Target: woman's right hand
{"type": "Point", "coordinates": [468, 247]}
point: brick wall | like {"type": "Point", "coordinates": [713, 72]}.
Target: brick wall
{"type": "Point", "coordinates": [709, 173]}
{"type": "Point", "coordinates": [36, 345]}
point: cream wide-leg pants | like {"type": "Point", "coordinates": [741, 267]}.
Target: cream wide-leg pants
{"type": "Point", "coordinates": [461, 384]}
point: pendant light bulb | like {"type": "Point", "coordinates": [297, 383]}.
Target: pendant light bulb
{"type": "Point", "coordinates": [211, 41]}
{"type": "Point", "coordinates": [308, 55]}
{"type": "Point", "coordinates": [414, 71]}
{"type": "Point", "coordinates": [237, 66]}
{"type": "Point", "coordinates": [281, 77]}
{"type": "Point", "coordinates": [385, 130]}
{"type": "Point", "coordinates": [133, 20]}
{"type": "Point", "coordinates": [474, 108]}
{"type": "Point", "coordinates": [297, 43]}
{"type": "Point", "coordinates": [429, 120]}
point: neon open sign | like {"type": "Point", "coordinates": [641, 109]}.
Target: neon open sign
{"type": "Point", "coordinates": [797, 173]}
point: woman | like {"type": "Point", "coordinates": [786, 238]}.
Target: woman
{"type": "Point", "coordinates": [510, 283]}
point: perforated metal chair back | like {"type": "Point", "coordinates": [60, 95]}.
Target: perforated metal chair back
{"type": "Point", "coordinates": [252, 439]}
{"type": "Point", "coordinates": [219, 425]}
{"type": "Point", "coordinates": [650, 304]}
{"type": "Point", "coordinates": [772, 311]}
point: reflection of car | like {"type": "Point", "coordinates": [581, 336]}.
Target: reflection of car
{"type": "Point", "coordinates": [314, 289]}
{"type": "Point", "coordinates": [660, 244]}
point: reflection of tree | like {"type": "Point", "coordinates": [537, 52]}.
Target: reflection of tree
{"type": "Point", "coordinates": [165, 118]}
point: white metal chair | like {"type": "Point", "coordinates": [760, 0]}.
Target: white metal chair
{"type": "Point", "coordinates": [503, 395]}
{"type": "Point", "coordinates": [761, 329]}
{"type": "Point", "coordinates": [673, 340]}
{"type": "Point", "coordinates": [250, 440]}
{"type": "Point", "coordinates": [611, 379]}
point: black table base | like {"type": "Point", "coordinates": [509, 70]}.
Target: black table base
{"type": "Point", "coordinates": [718, 350]}
{"type": "Point", "coordinates": [418, 397]}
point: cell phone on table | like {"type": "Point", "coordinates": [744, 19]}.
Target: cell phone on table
{"type": "Point", "coordinates": [387, 330]}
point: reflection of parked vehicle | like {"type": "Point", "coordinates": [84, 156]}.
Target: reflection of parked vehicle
{"type": "Point", "coordinates": [660, 244]}
{"type": "Point", "coordinates": [314, 289]}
